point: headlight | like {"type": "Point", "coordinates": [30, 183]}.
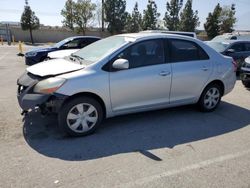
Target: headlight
{"type": "Point", "coordinates": [31, 54]}
{"type": "Point", "coordinates": [49, 85]}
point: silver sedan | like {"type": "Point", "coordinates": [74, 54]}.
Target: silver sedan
{"type": "Point", "coordinates": [126, 74]}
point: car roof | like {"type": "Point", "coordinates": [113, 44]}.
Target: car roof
{"type": "Point", "coordinates": [77, 37]}
{"type": "Point", "coordinates": [146, 35]}
{"type": "Point", "coordinates": [185, 33]}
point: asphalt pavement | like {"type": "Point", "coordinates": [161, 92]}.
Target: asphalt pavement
{"type": "Point", "coordinates": [177, 147]}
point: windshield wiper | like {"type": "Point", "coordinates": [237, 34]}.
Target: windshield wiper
{"type": "Point", "coordinates": [79, 58]}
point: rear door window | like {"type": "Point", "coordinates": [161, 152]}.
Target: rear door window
{"type": "Point", "coordinates": [182, 50]}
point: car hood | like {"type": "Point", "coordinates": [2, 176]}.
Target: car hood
{"type": "Point", "coordinates": [61, 53]}
{"type": "Point", "coordinates": [54, 67]}
{"type": "Point", "coordinates": [47, 49]}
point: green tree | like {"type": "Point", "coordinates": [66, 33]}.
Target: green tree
{"type": "Point", "coordinates": [68, 14]}
{"type": "Point", "coordinates": [134, 21]}
{"type": "Point", "coordinates": [150, 16]}
{"type": "Point", "coordinates": [128, 24]}
{"type": "Point", "coordinates": [29, 21]}
{"type": "Point", "coordinates": [212, 26]}
{"type": "Point", "coordinates": [189, 19]}
{"type": "Point", "coordinates": [227, 19]}
{"type": "Point", "coordinates": [115, 15]}
{"type": "Point", "coordinates": [172, 17]}
{"type": "Point", "coordinates": [83, 14]}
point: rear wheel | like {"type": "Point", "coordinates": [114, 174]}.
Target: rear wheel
{"type": "Point", "coordinates": [210, 98]}
{"type": "Point", "coordinates": [80, 116]}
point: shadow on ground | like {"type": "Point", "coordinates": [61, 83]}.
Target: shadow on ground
{"type": "Point", "coordinates": [138, 132]}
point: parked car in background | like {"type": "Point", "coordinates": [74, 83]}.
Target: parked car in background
{"type": "Point", "coordinates": [61, 53]}
{"type": "Point", "coordinates": [124, 74]}
{"type": "Point", "coordinates": [245, 73]}
{"type": "Point", "coordinates": [37, 55]}
{"type": "Point", "coordinates": [237, 49]}
{"type": "Point", "coordinates": [231, 36]}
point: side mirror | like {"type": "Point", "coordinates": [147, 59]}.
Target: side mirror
{"type": "Point", "coordinates": [121, 64]}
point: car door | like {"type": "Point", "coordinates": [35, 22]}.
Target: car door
{"type": "Point", "coordinates": [146, 83]}
{"type": "Point", "coordinates": [191, 69]}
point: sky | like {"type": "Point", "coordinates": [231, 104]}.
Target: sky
{"type": "Point", "coordinates": [48, 11]}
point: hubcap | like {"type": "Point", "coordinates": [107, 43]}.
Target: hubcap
{"type": "Point", "coordinates": [212, 98]}
{"type": "Point", "coordinates": [82, 117]}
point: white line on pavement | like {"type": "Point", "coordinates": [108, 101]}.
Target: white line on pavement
{"type": "Point", "coordinates": [205, 163]}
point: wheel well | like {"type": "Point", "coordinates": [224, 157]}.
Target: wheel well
{"type": "Point", "coordinates": [220, 83]}
{"type": "Point", "coordinates": [91, 95]}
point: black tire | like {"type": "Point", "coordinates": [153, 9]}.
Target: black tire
{"type": "Point", "coordinates": [214, 101]}
{"type": "Point", "coordinates": [246, 84]}
{"type": "Point", "coordinates": [71, 108]}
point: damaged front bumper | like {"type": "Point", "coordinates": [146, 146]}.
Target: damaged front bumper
{"type": "Point", "coordinates": [28, 100]}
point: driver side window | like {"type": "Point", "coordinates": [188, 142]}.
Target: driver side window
{"type": "Point", "coordinates": [71, 45]}
{"type": "Point", "coordinates": [144, 54]}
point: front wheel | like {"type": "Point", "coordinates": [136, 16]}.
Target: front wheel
{"type": "Point", "coordinates": [210, 98]}
{"type": "Point", "coordinates": [80, 116]}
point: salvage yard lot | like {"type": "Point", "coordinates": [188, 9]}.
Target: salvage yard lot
{"type": "Point", "coordinates": [178, 147]}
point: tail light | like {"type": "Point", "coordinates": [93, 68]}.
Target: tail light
{"type": "Point", "coordinates": [235, 65]}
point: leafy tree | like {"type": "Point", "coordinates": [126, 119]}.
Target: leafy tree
{"type": "Point", "coordinates": [227, 19]}
{"type": "Point", "coordinates": [68, 14]}
{"type": "Point", "coordinates": [172, 14]}
{"type": "Point", "coordinates": [29, 21]}
{"type": "Point", "coordinates": [150, 16]}
{"type": "Point", "coordinates": [128, 24]}
{"type": "Point", "coordinates": [189, 19]}
{"type": "Point", "coordinates": [212, 26]}
{"type": "Point", "coordinates": [84, 12]}
{"type": "Point", "coordinates": [115, 15]}
{"type": "Point", "coordinates": [98, 14]}
{"type": "Point", "coordinates": [134, 21]}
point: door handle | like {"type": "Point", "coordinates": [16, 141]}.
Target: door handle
{"type": "Point", "coordinates": [164, 73]}
{"type": "Point", "coordinates": [204, 68]}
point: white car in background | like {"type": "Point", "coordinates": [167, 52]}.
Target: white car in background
{"type": "Point", "coordinates": [61, 53]}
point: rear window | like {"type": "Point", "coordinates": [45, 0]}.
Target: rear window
{"type": "Point", "coordinates": [182, 50]}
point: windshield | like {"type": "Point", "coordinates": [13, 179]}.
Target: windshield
{"type": "Point", "coordinates": [59, 44]}
{"type": "Point", "coordinates": [218, 46]}
{"type": "Point", "coordinates": [98, 50]}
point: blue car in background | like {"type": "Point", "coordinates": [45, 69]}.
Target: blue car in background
{"type": "Point", "coordinates": [237, 49]}
{"type": "Point", "coordinates": [37, 55]}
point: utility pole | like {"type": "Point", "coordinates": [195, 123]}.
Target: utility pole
{"type": "Point", "coordinates": [8, 34]}
{"type": "Point", "coordinates": [102, 15]}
